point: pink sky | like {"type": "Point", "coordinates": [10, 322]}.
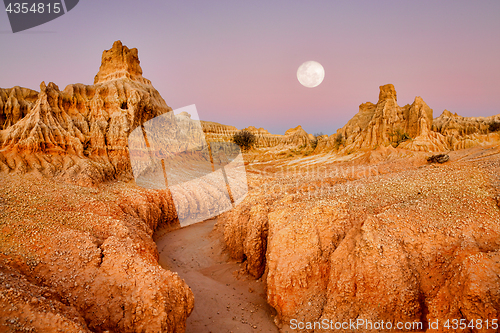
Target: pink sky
{"type": "Point", "coordinates": [237, 60]}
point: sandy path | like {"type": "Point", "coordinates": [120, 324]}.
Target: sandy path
{"type": "Point", "coordinates": [224, 302]}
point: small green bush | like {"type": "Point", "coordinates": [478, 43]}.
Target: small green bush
{"type": "Point", "coordinates": [339, 140]}
{"type": "Point", "coordinates": [399, 136]}
{"type": "Point", "coordinates": [244, 139]}
{"type": "Point", "coordinates": [314, 143]}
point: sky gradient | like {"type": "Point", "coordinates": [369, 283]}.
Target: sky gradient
{"type": "Point", "coordinates": [237, 60]}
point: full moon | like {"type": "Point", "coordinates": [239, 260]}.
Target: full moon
{"type": "Point", "coordinates": [311, 74]}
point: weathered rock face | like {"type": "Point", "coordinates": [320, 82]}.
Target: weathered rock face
{"type": "Point", "coordinates": [81, 258]}
{"type": "Point", "coordinates": [264, 139]}
{"type": "Point", "coordinates": [418, 244]}
{"type": "Point", "coordinates": [15, 104]}
{"type": "Point", "coordinates": [120, 62]}
{"type": "Point", "coordinates": [217, 132]}
{"type": "Point", "coordinates": [411, 127]}
{"type": "Point", "coordinates": [465, 132]}
{"type": "Point", "coordinates": [387, 123]}
{"type": "Point", "coordinates": [79, 134]}
{"type": "Point", "coordinates": [293, 138]}
{"type": "Point", "coordinates": [84, 258]}
{"type": "Point", "coordinates": [297, 137]}
{"type": "Point", "coordinates": [452, 124]}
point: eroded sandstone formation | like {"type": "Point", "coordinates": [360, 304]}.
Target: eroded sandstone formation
{"type": "Point", "coordinates": [218, 132]}
{"type": "Point", "coordinates": [410, 127]}
{"type": "Point", "coordinates": [120, 62]}
{"type": "Point", "coordinates": [15, 104]}
{"type": "Point", "coordinates": [81, 258]}
{"type": "Point", "coordinates": [465, 132]}
{"type": "Point", "coordinates": [292, 139]}
{"type": "Point", "coordinates": [410, 242]}
{"type": "Point", "coordinates": [387, 123]}
{"type": "Point", "coordinates": [79, 134]}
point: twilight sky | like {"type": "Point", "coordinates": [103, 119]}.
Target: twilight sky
{"type": "Point", "coordinates": [237, 60]}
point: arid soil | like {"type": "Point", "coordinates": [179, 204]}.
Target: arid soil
{"type": "Point", "coordinates": [80, 259]}
{"type": "Point", "coordinates": [399, 240]}
{"type": "Point", "coordinates": [226, 299]}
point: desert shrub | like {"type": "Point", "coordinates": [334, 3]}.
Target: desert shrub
{"type": "Point", "coordinates": [339, 140]}
{"type": "Point", "coordinates": [494, 127]}
{"type": "Point", "coordinates": [399, 136]}
{"type": "Point", "coordinates": [314, 143]}
{"type": "Point", "coordinates": [244, 139]}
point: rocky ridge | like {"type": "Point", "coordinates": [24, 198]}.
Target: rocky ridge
{"type": "Point", "coordinates": [466, 132]}
{"type": "Point", "coordinates": [293, 138]}
{"type": "Point", "coordinates": [84, 128]}
{"type": "Point", "coordinates": [399, 240]}
{"type": "Point", "coordinates": [82, 258]}
{"type": "Point", "coordinates": [386, 122]}
{"type": "Point", "coordinates": [15, 104]}
{"type": "Point", "coordinates": [79, 134]}
{"type": "Point", "coordinates": [410, 127]}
